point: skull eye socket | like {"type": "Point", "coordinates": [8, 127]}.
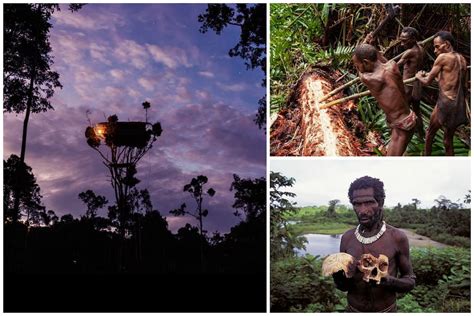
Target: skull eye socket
{"type": "Point", "coordinates": [367, 263]}
{"type": "Point", "coordinates": [383, 266]}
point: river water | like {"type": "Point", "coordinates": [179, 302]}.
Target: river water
{"type": "Point", "coordinates": [321, 245]}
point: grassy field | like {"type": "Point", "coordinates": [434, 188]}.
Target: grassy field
{"type": "Point", "coordinates": [327, 228]}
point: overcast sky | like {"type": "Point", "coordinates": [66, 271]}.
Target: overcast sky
{"type": "Point", "coordinates": [110, 59]}
{"type": "Point", "coordinates": [321, 180]}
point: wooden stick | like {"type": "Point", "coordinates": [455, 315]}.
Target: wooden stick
{"type": "Point", "coordinates": [355, 80]}
{"type": "Point", "coordinates": [355, 96]}
{"type": "Point", "coordinates": [362, 94]}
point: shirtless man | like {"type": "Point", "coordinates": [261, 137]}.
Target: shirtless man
{"type": "Point", "coordinates": [450, 71]}
{"type": "Point", "coordinates": [385, 84]}
{"type": "Point", "coordinates": [412, 62]}
{"type": "Point", "coordinates": [373, 236]}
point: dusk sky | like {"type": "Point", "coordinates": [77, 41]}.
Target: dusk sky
{"type": "Point", "coordinates": [111, 58]}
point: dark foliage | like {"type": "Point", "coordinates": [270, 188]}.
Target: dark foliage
{"type": "Point", "coordinates": [19, 178]}
{"type": "Point", "coordinates": [93, 254]}
{"type": "Point", "coordinates": [251, 19]}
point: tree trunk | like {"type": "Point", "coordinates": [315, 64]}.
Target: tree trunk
{"type": "Point", "coordinates": [29, 104]}
{"type": "Point", "coordinates": [201, 241]}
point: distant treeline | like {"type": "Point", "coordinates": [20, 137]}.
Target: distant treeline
{"type": "Point", "coordinates": [446, 222]}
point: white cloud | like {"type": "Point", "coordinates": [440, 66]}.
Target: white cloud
{"type": "Point", "coordinates": [93, 20]}
{"type": "Point", "coordinates": [130, 52]}
{"type": "Point", "coordinates": [171, 57]}
{"type": "Point", "coordinates": [147, 84]}
{"type": "Point", "coordinates": [206, 74]}
{"type": "Point", "coordinates": [160, 56]}
{"type": "Point", "coordinates": [117, 74]}
{"type": "Point", "coordinates": [236, 87]}
{"type": "Point", "coordinates": [98, 52]}
{"type": "Point", "coordinates": [84, 74]}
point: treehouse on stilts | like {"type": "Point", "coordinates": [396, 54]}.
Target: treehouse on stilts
{"type": "Point", "coordinates": [121, 145]}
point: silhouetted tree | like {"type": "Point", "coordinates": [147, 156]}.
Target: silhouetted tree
{"type": "Point", "coordinates": [28, 81]}
{"type": "Point", "coordinates": [251, 18]}
{"type": "Point", "coordinates": [48, 218]}
{"type": "Point", "coordinates": [445, 203]}
{"type": "Point", "coordinates": [416, 202]}
{"type": "Point", "coordinates": [195, 188]}
{"type": "Point", "coordinates": [93, 202]}
{"type": "Point", "coordinates": [467, 198]}
{"type": "Point", "coordinates": [19, 178]}
{"type": "Point", "coordinates": [68, 218]}
{"type": "Point", "coordinates": [250, 196]}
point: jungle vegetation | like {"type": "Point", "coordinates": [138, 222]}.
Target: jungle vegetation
{"type": "Point", "coordinates": [305, 37]}
{"type": "Point", "coordinates": [443, 274]}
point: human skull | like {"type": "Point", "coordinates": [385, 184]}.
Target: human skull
{"type": "Point", "coordinates": [337, 262]}
{"type": "Point", "coordinates": [373, 268]}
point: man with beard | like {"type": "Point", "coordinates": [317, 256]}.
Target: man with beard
{"type": "Point", "coordinates": [384, 81]}
{"type": "Point", "coordinates": [450, 71]}
{"type": "Point", "coordinates": [412, 62]}
{"type": "Point", "coordinates": [373, 236]}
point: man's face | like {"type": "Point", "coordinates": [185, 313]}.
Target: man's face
{"type": "Point", "coordinates": [406, 40]}
{"type": "Point", "coordinates": [366, 207]}
{"type": "Point", "coordinates": [440, 46]}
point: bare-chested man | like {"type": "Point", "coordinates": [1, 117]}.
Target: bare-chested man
{"type": "Point", "coordinates": [450, 71]}
{"type": "Point", "coordinates": [385, 84]}
{"type": "Point", "coordinates": [412, 62]}
{"type": "Point", "coordinates": [373, 236]}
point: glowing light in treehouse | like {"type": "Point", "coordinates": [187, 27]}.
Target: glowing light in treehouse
{"type": "Point", "coordinates": [100, 130]}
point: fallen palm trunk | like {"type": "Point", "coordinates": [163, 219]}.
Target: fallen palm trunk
{"type": "Point", "coordinates": [304, 129]}
{"type": "Point", "coordinates": [357, 79]}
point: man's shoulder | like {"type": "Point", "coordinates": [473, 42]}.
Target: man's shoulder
{"type": "Point", "coordinates": [392, 67]}
{"type": "Point", "coordinates": [348, 234]}
{"type": "Point", "coordinates": [396, 233]}
{"type": "Point", "coordinates": [444, 57]}
{"type": "Point", "coordinates": [346, 238]}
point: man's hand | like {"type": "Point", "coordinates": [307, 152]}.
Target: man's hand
{"type": "Point", "coordinates": [420, 74]}
{"type": "Point", "coordinates": [401, 285]}
{"type": "Point", "coordinates": [341, 281]}
{"type": "Point", "coordinates": [387, 280]}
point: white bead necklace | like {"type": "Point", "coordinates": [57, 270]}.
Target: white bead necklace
{"type": "Point", "coordinates": [369, 240]}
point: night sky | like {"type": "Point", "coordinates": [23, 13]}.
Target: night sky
{"type": "Point", "coordinates": [111, 58]}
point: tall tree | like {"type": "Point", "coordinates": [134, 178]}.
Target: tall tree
{"type": "Point", "coordinates": [195, 188]}
{"type": "Point", "coordinates": [416, 202]}
{"type": "Point", "coordinates": [28, 81]}
{"type": "Point", "coordinates": [251, 19]}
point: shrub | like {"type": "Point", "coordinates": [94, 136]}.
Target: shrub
{"type": "Point", "coordinates": [297, 285]}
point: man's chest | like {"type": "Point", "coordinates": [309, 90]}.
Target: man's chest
{"type": "Point", "coordinates": [382, 246]}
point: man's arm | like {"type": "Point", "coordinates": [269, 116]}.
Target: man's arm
{"type": "Point", "coordinates": [427, 78]}
{"type": "Point", "coordinates": [406, 282]}
{"type": "Point", "coordinates": [342, 283]}
{"type": "Point", "coordinates": [405, 57]}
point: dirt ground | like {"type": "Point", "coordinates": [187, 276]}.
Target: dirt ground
{"type": "Point", "coordinates": [416, 240]}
